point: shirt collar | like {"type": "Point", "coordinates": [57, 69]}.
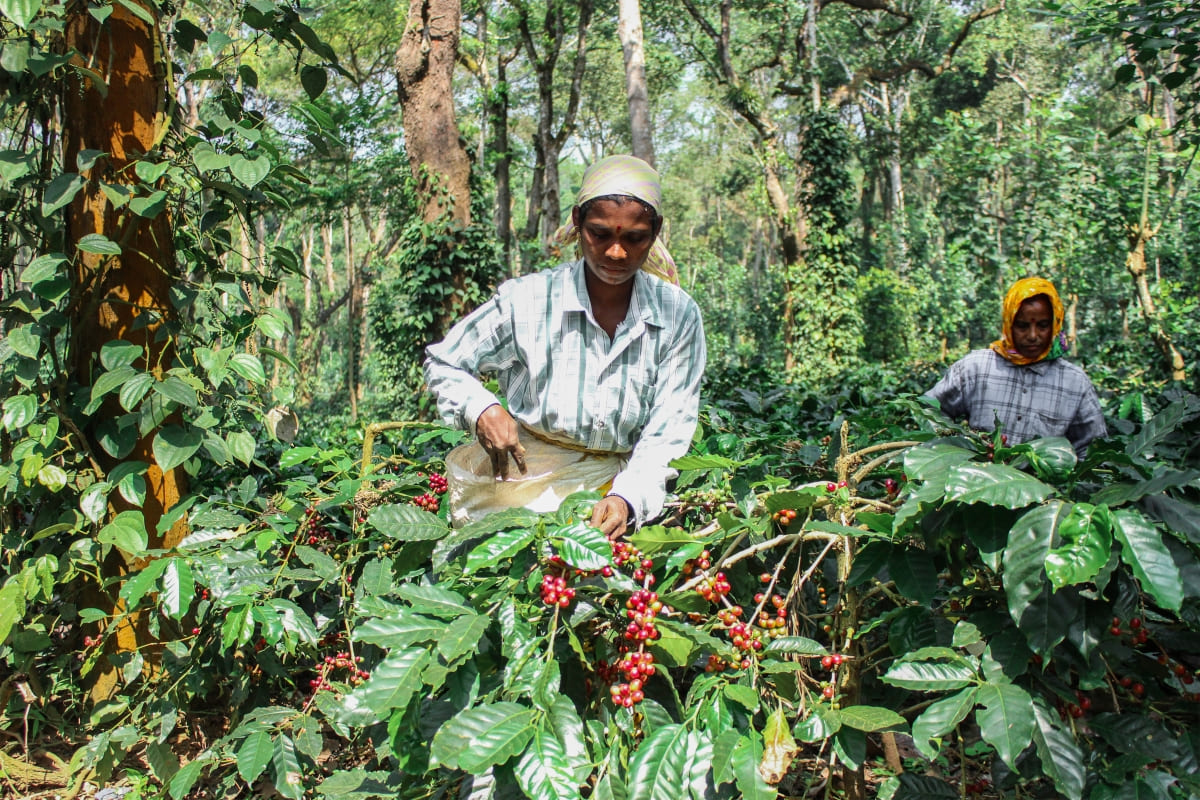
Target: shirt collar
{"type": "Point", "coordinates": [646, 302]}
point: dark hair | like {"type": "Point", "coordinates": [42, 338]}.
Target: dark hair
{"type": "Point", "coordinates": [620, 199]}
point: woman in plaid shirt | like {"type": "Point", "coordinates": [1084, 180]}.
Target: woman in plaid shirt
{"type": "Point", "coordinates": [1022, 380]}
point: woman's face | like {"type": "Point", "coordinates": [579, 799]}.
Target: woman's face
{"type": "Point", "coordinates": [615, 239]}
{"type": "Point", "coordinates": [1033, 327]}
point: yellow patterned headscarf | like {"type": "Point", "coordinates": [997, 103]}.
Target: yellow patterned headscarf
{"type": "Point", "coordinates": [630, 176]}
{"type": "Point", "coordinates": [1021, 291]}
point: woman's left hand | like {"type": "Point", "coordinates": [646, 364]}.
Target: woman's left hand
{"type": "Point", "coordinates": [610, 516]}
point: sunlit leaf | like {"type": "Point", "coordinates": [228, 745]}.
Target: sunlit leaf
{"type": "Point", "coordinates": [1005, 719]}
{"type": "Point", "coordinates": [994, 484]}
{"type": "Point", "coordinates": [1142, 549]}
{"type": "Point", "coordinates": [483, 736]}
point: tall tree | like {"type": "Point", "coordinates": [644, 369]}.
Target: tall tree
{"type": "Point", "coordinates": [123, 297]}
{"type": "Point", "coordinates": [544, 42]}
{"type": "Point", "coordinates": [629, 28]}
{"type": "Point", "coordinates": [425, 79]}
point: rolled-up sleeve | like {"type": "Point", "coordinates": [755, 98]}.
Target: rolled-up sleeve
{"type": "Point", "coordinates": [481, 342]}
{"type": "Point", "coordinates": [671, 424]}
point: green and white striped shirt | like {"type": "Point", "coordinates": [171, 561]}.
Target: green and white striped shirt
{"type": "Point", "coordinates": [562, 375]}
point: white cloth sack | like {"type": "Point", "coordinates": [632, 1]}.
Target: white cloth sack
{"type": "Point", "coordinates": [554, 473]}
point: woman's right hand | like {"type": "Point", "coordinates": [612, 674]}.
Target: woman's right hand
{"type": "Point", "coordinates": [497, 434]}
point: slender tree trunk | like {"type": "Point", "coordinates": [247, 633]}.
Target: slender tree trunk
{"type": "Point", "coordinates": [123, 297]}
{"type": "Point", "coordinates": [352, 311]}
{"type": "Point", "coordinates": [1135, 261]}
{"type": "Point", "coordinates": [497, 111]}
{"type": "Point", "coordinates": [425, 72]}
{"type": "Point", "coordinates": [629, 29]}
{"type": "Point", "coordinates": [327, 252]}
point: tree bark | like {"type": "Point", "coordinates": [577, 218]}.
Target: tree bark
{"type": "Point", "coordinates": [126, 119]}
{"type": "Point", "coordinates": [425, 72]}
{"type": "Point", "coordinates": [544, 190]}
{"type": "Point", "coordinates": [629, 29]}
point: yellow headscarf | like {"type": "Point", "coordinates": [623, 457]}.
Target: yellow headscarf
{"type": "Point", "coordinates": [1021, 291]}
{"type": "Point", "coordinates": [632, 177]}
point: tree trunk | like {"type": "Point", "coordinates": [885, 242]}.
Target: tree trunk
{"type": "Point", "coordinates": [629, 29]}
{"type": "Point", "coordinates": [126, 119]}
{"type": "Point", "coordinates": [353, 309]}
{"type": "Point", "coordinates": [424, 73]}
{"type": "Point", "coordinates": [496, 109]}
{"type": "Point", "coordinates": [548, 143]}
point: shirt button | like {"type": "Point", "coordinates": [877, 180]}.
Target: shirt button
{"type": "Point", "coordinates": [1019, 419]}
{"type": "Point", "coordinates": [600, 424]}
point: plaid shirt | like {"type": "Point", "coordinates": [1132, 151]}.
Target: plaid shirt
{"type": "Point", "coordinates": [639, 392]}
{"type": "Point", "coordinates": [1047, 398]}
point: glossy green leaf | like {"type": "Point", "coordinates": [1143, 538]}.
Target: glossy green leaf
{"type": "Point", "coordinates": [400, 630]}
{"type": "Point", "coordinates": [250, 171]}
{"type": "Point", "coordinates": [744, 760]}
{"type": "Point", "coordinates": [1029, 542]}
{"type": "Point", "coordinates": [657, 768]}
{"type": "Point", "coordinates": [249, 367]}
{"type": "Point", "coordinates": [174, 444]}
{"type": "Point", "coordinates": [53, 477]}
{"type": "Point", "coordinates": [241, 446]}
{"type": "Point", "coordinates": [462, 636]}
{"type": "Point", "coordinates": [19, 411]}
{"type": "Point", "coordinates": [483, 736]}
{"type": "Point", "coordinates": [871, 718]}
{"type": "Point", "coordinates": [499, 547]}
{"type": "Point", "coordinates": [1086, 533]}
{"type": "Point", "coordinates": [21, 12]}
{"type": "Point", "coordinates": [1005, 718]}
{"type": "Point", "coordinates": [133, 390]}
{"type": "Point", "coordinates": [994, 484]}
{"type": "Point", "coordinates": [61, 191]}
{"type": "Point", "coordinates": [940, 718]}
{"type": "Point", "coordinates": [653, 538]}
{"type": "Point", "coordinates": [43, 268]}
{"type": "Point", "coordinates": [254, 754]}
{"type": "Point", "coordinates": [433, 600]}
{"type": "Point", "coordinates": [700, 462]}
{"type": "Point", "coordinates": [924, 787]}
{"type": "Point", "coordinates": [929, 676]}
{"type": "Point", "coordinates": [12, 608]}
{"type": "Point", "coordinates": [207, 159]}
{"type": "Point", "coordinates": [150, 206]}
{"type": "Point", "coordinates": [139, 583]}
{"type": "Point", "coordinates": [915, 573]}
{"type": "Point", "coordinates": [1061, 757]}
{"type": "Point", "coordinates": [392, 684]}
{"type": "Point", "coordinates": [583, 546]}
{"type": "Point", "coordinates": [797, 645]}
{"type": "Point", "coordinates": [933, 462]}
{"type": "Point", "coordinates": [407, 523]}
{"type": "Point", "coordinates": [1136, 733]}
{"type": "Point", "coordinates": [313, 79]}
{"type": "Point", "coordinates": [94, 501]}
{"type": "Point", "coordinates": [127, 532]}
{"type": "Point", "coordinates": [1052, 458]}
{"type": "Point", "coordinates": [1143, 550]}
{"type": "Point", "coordinates": [1178, 515]}
{"type": "Point", "coordinates": [544, 771]}
{"type": "Point", "coordinates": [1163, 479]}
{"type": "Point", "coordinates": [178, 390]}
{"type": "Point", "coordinates": [113, 379]}
{"type": "Point", "coordinates": [181, 784]}
{"type": "Point", "coordinates": [179, 588]}
{"type": "Point", "coordinates": [238, 627]}
{"type": "Point", "coordinates": [289, 776]}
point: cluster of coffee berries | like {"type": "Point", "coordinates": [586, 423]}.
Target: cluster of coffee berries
{"type": "Point", "coordinates": [641, 609]}
{"type": "Point", "coordinates": [832, 487]}
{"type": "Point", "coordinates": [977, 787]}
{"type": "Point", "coordinates": [714, 588]}
{"type": "Point", "coordinates": [784, 516]}
{"type": "Point", "coordinates": [1178, 670]}
{"type": "Point", "coordinates": [623, 552]}
{"type": "Point", "coordinates": [437, 483]}
{"type": "Point", "coordinates": [314, 528]}
{"type": "Point", "coordinates": [1137, 633]}
{"type": "Point", "coordinates": [833, 661]}
{"type": "Point", "coordinates": [1077, 709]}
{"type": "Point", "coordinates": [991, 444]}
{"type": "Point", "coordinates": [773, 624]}
{"type": "Point", "coordinates": [428, 502]}
{"type": "Point", "coordinates": [93, 641]}
{"type": "Point", "coordinates": [693, 564]}
{"type": "Point", "coordinates": [555, 591]}
{"type": "Point", "coordinates": [890, 486]}
{"type": "Point", "coordinates": [340, 660]}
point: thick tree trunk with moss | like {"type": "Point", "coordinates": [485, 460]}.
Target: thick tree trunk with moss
{"type": "Point", "coordinates": [425, 72]}
{"type": "Point", "coordinates": [122, 297]}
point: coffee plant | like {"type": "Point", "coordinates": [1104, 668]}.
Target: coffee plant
{"type": "Point", "coordinates": [1017, 621]}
